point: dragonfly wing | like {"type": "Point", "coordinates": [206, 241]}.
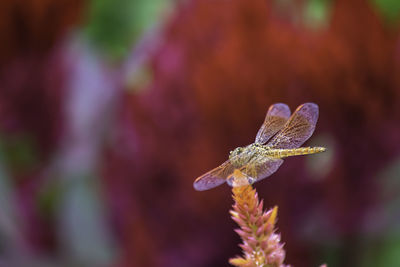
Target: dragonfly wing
{"type": "Point", "coordinates": [298, 128]}
{"type": "Point", "coordinates": [275, 119]}
{"type": "Point", "coordinates": [214, 178]}
{"type": "Point", "coordinates": [262, 168]}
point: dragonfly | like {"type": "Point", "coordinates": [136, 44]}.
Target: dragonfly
{"type": "Point", "coordinates": [280, 136]}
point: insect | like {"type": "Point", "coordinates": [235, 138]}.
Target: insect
{"type": "Point", "coordinates": [280, 136]}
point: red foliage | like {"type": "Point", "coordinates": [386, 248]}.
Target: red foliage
{"type": "Point", "coordinates": [31, 69]}
{"type": "Point", "coordinates": [32, 82]}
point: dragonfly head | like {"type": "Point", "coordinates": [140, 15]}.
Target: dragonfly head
{"type": "Point", "coordinates": [237, 151]}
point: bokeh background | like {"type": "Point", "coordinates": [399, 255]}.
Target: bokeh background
{"type": "Point", "coordinates": [109, 109]}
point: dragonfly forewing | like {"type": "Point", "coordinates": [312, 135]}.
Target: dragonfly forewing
{"type": "Point", "coordinates": [297, 129]}
{"type": "Point", "coordinates": [215, 177]}
{"type": "Point", "coordinates": [275, 119]}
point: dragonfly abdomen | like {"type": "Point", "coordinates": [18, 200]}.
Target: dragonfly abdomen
{"type": "Point", "coordinates": [283, 153]}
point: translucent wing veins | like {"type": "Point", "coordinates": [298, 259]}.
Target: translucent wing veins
{"type": "Point", "coordinates": [262, 168]}
{"type": "Point", "coordinates": [214, 178]}
{"type": "Point", "coordinates": [275, 119]}
{"type": "Point", "coordinates": [297, 129]}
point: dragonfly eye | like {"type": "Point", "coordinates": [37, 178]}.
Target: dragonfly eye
{"type": "Point", "coordinates": [238, 150]}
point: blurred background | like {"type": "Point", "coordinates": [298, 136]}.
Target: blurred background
{"type": "Point", "coordinates": [109, 109]}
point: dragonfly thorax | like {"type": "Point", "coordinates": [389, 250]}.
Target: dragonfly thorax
{"type": "Point", "coordinates": [243, 155]}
